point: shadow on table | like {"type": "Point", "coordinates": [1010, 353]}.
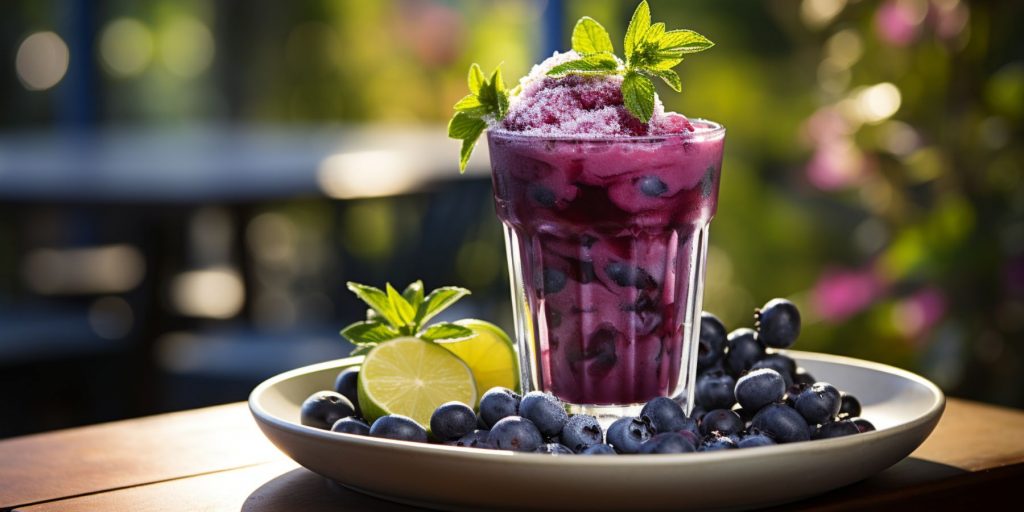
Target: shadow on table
{"type": "Point", "coordinates": [912, 480]}
{"type": "Point", "coordinates": [887, 490]}
{"type": "Point", "coordinates": [301, 489]}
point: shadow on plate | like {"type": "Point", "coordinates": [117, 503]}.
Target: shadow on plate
{"type": "Point", "coordinates": [301, 489]}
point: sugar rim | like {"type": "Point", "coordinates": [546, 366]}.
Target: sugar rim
{"type": "Point", "coordinates": [710, 129]}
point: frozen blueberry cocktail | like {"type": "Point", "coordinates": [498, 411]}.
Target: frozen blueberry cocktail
{"type": "Point", "coordinates": [606, 201]}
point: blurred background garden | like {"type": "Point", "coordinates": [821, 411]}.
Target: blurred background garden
{"type": "Point", "coordinates": [186, 185]}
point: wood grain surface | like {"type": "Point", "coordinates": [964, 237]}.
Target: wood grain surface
{"type": "Point", "coordinates": [128, 453]}
{"type": "Point", "coordinates": [215, 459]}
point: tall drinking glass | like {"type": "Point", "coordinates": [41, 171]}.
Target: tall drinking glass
{"type": "Point", "coordinates": [606, 240]}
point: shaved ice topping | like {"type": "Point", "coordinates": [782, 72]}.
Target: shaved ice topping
{"type": "Point", "coordinates": [587, 92]}
{"type": "Point", "coordinates": [578, 104]}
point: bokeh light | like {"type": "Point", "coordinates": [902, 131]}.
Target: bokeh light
{"type": "Point", "coordinates": [41, 61]}
{"type": "Point", "coordinates": [186, 46]}
{"type": "Point", "coordinates": [126, 47]}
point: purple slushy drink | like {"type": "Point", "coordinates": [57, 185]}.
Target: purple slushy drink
{"type": "Point", "coordinates": [606, 222]}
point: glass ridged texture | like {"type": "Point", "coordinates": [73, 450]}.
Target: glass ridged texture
{"type": "Point", "coordinates": [606, 242]}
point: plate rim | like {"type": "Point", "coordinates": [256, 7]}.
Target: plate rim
{"type": "Point", "coordinates": [935, 409]}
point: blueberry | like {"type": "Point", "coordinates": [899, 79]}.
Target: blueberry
{"type": "Point", "coordinates": [668, 442]}
{"type": "Point", "coordinates": [778, 323]}
{"type": "Point", "coordinates": [849, 408]}
{"type": "Point", "coordinates": [863, 425]}
{"type": "Point", "coordinates": [785, 365]}
{"type": "Point", "coordinates": [644, 280]}
{"type": "Point", "coordinates": [745, 414]}
{"type": "Point", "coordinates": [323, 408]}
{"type": "Point", "coordinates": [782, 423]}
{"type": "Point", "coordinates": [345, 384]}
{"type": "Point", "coordinates": [698, 412]}
{"type": "Point", "coordinates": [794, 391]}
{"type": "Point", "coordinates": [515, 433]}
{"type": "Point", "coordinates": [716, 442]}
{"type": "Point", "coordinates": [802, 377]}
{"type": "Point", "coordinates": [722, 421]}
{"type": "Point", "coordinates": [693, 436]}
{"type": "Point", "coordinates": [475, 439]}
{"type": "Point", "coordinates": [626, 275]}
{"type": "Point", "coordinates": [545, 411]}
{"type": "Point", "coordinates": [715, 390]}
{"type": "Point", "coordinates": [652, 186]}
{"type": "Point", "coordinates": [396, 426]}
{"type": "Point", "coordinates": [707, 182]}
{"type": "Point", "coordinates": [712, 341]}
{"type": "Point", "coordinates": [835, 429]}
{"type": "Point", "coordinates": [554, 449]}
{"type": "Point", "coordinates": [690, 425]}
{"type": "Point", "coordinates": [554, 281]}
{"type": "Point", "coordinates": [744, 351]}
{"type": "Point", "coordinates": [498, 403]}
{"type": "Point", "coordinates": [601, 349]}
{"type": "Point", "coordinates": [351, 425]}
{"type": "Point", "coordinates": [599, 449]}
{"type": "Point", "coordinates": [619, 273]}
{"type": "Point", "coordinates": [759, 388]}
{"type": "Point", "coordinates": [543, 195]}
{"type": "Point", "coordinates": [818, 403]}
{"type": "Point", "coordinates": [452, 420]}
{"type": "Point", "coordinates": [754, 440]}
{"type": "Point", "coordinates": [581, 432]}
{"type": "Point", "coordinates": [628, 434]}
{"type": "Point", "coordinates": [664, 414]}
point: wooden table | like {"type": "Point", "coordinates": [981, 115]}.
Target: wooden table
{"type": "Point", "coordinates": [215, 459]}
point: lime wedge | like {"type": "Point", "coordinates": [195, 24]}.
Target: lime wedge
{"type": "Point", "coordinates": [490, 354]}
{"type": "Point", "coordinates": [412, 377]}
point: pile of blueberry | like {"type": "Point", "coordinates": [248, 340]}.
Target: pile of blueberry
{"type": "Point", "coordinates": [748, 394]}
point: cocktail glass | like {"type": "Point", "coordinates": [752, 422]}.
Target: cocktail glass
{"type": "Point", "coordinates": [606, 240]}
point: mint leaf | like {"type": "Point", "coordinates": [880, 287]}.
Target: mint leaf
{"type": "Point", "coordinates": [654, 33]}
{"type": "Point", "coordinates": [500, 94]}
{"type": "Point", "coordinates": [488, 99]}
{"type": "Point", "coordinates": [638, 26]}
{"type": "Point", "coordinates": [437, 301]}
{"type": "Point", "coordinates": [665, 62]}
{"type": "Point", "coordinates": [446, 332]}
{"type": "Point", "coordinates": [465, 125]}
{"type": "Point", "coordinates": [476, 78]}
{"type": "Point", "coordinates": [362, 349]}
{"type": "Point", "coordinates": [470, 104]}
{"type": "Point", "coordinates": [686, 41]}
{"type": "Point", "coordinates": [373, 332]}
{"type": "Point", "coordinates": [589, 37]}
{"type": "Point", "coordinates": [406, 314]}
{"type": "Point", "coordinates": [468, 144]}
{"type": "Point", "coordinates": [638, 95]}
{"type": "Point", "coordinates": [600, 63]}
{"type": "Point", "coordinates": [376, 299]}
{"type": "Point", "coordinates": [670, 77]}
{"type": "Point", "coordinates": [414, 294]}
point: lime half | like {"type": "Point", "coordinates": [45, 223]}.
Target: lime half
{"type": "Point", "coordinates": [412, 377]}
{"type": "Point", "coordinates": [490, 354]}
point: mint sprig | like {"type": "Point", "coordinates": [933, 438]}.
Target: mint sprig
{"type": "Point", "coordinates": [393, 315]}
{"type": "Point", "coordinates": [651, 52]}
{"type": "Point", "coordinates": [486, 98]}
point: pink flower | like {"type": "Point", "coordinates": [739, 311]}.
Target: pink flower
{"type": "Point", "coordinates": [899, 22]}
{"type": "Point", "coordinates": [917, 314]}
{"type": "Point", "coordinates": [840, 294]}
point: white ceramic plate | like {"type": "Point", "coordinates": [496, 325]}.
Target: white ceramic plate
{"type": "Point", "coordinates": [903, 406]}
